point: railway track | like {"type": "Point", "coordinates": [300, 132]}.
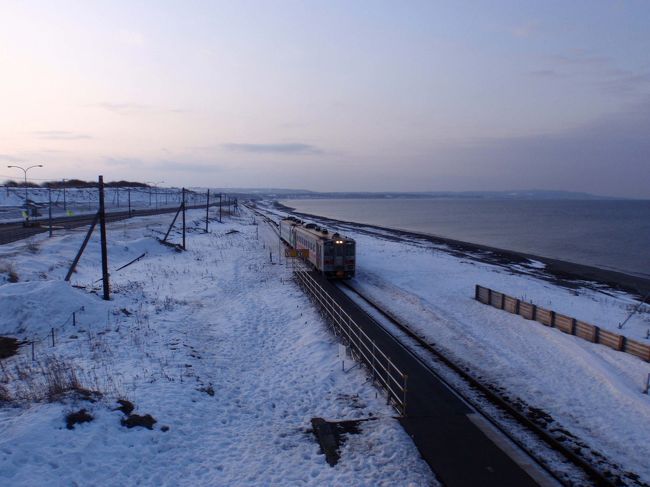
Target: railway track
{"type": "Point", "coordinates": [553, 449]}
{"type": "Point", "coordinates": [502, 414]}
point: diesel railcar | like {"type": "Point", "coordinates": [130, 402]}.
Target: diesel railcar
{"type": "Point", "coordinates": [330, 253]}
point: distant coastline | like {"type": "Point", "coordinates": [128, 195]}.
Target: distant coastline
{"type": "Point", "coordinates": [567, 273]}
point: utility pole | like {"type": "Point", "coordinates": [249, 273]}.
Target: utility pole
{"type": "Point", "coordinates": [65, 207]}
{"type": "Point", "coordinates": [102, 229]}
{"type": "Point", "coordinates": [220, 195]}
{"type": "Point", "coordinates": [183, 206]}
{"type": "Point", "coordinates": [49, 212]}
{"type": "Point", "coordinates": [207, 210]}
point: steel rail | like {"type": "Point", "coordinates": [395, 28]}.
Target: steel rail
{"type": "Point", "coordinates": [592, 473]}
{"type": "Point", "coordinates": [357, 338]}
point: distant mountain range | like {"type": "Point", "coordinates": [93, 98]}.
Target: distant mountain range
{"type": "Point", "coordinates": [532, 194]}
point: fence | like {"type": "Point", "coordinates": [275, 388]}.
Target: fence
{"type": "Point", "coordinates": [362, 347]}
{"type": "Point", "coordinates": [562, 322]}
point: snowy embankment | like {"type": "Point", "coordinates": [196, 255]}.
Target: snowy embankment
{"type": "Point", "coordinates": [216, 343]}
{"type": "Point", "coordinates": [592, 391]}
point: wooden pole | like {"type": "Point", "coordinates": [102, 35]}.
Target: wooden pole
{"type": "Point", "coordinates": [183, 206]}
{"type": "Point", "coordinates": [83, 246]}
{"type": "Point", "coordinates": [49, 213]}
{"type": "Point", "coordinates": [207, 210]}
{"type": "Point", "coordinates": [102, 230]}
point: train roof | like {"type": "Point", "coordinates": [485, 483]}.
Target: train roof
{"type": "Point", "coordinates": [317, 231]}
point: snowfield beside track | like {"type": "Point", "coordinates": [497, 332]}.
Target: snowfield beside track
{"type": "Point", "coordinates": [591, 391]}
{"type": "Point", "coordinates": [216, 343]}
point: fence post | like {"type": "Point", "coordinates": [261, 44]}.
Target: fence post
{"type": "Point", "coordinates": [647, 384]}
{"type": "Point", "coordinates": [476, 291]}
{"type": "Point", "coordinates": [596, 338]}
{"type": "Point", "coordinates": [74, 318]}
{"type": "Point", "coordinates": [534, 313]}
{"type": "Point", "coordinates": [49, 212]}
{"type": "Point", "coordinates": [33, 351]}
{"type": "Point", "coordinates": [573, 326]}
{"type": "Point", "coordinates": [183, 206]}
{"type": "Point", "coordinates": [553, 319]}
{"type": "Point", "coordinates": [207, 210]}
{"type": "Point", "coordinates": [489, 301]}
{"type": "Point", "coordinates": [102, 232]}
{"type": "Point", "coordinates": [52, 336]}
{"type": "Point", "coordinates": [503, 301]}
{"type": "Point", "coordinates": [621, 343]}
{"type": "Point", "coordinates": [517, 305]}
{"type": "Point", "coordinates": [81, 249]}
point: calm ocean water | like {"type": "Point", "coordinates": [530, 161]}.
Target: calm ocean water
{"type": "Point", "coordinates": [602, 233]}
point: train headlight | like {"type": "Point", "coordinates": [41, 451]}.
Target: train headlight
{"type": "Point", "coordinates": [339, 241]}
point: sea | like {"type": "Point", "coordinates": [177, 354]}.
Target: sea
{"type": "Point", "coordinates": [609, 234]}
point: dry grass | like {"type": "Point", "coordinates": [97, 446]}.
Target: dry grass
{"type": "Point", "coordinates": [9, 270]}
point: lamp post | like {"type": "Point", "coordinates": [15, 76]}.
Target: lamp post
{"type": "Point", "coordinates": [24, 170]}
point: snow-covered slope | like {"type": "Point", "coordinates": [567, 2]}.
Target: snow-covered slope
{"type": "Point", "coordinates": [216, 343]}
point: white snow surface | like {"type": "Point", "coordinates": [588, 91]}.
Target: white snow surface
{"type": "Point", "coordinates": [590, 390]}
{"type": "Point", "coordinates": [219, 317]}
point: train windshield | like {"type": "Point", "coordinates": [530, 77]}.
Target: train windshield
{"type": "Point", "coordinates": [341, 250]}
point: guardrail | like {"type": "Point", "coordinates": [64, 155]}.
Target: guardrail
{"type": "Point", "coordinates": [362, 347]}
{"type": "Point", "coordinates": [565, 324]}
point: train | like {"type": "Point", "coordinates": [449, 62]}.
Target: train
{"type": "Point", "coordinates": [332, 254]}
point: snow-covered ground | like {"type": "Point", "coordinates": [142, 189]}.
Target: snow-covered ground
{"type": "Point", "coordinates": [216, 343]}
{"type": "Point", "coordinates": [592, 391]}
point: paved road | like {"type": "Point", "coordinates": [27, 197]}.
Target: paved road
{"type": "Point", "coordinates": [10, 232]}
{"type": "Point", "coordinates": [450, 435]}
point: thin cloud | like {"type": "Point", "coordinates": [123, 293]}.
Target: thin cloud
{"type": "Point", "coordinates": [10, 158]}
{"type": "Point", "coordinates": [123, 108]}
{"type": "Point", "coordinates": [128, 108]}
{"type": "Point", "coordinates": [608, 156]}
{"type": "Point", "coordinates": [601, 70]}
{"type": "Point", "coordinates": [60, 135]}
{"type": "Point", "coordinates": [186, 166]}
{"type": "Point", "coordinates": [295, 148]}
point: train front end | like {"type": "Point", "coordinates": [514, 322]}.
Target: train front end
{"type": "Point", "coordinates": [339, 257]}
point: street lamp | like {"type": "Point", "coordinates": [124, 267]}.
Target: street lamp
{"type": "Point", "coordinates": [24, 170]}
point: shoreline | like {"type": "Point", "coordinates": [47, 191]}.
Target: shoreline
{"type": "Point", "coordinates": [563, 271]}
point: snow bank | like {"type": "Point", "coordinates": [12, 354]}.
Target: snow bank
{"type": "Point", "coordinates": [217, 344]}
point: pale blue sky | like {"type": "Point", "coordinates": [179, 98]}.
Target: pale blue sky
{"type": "Point", "coordinates": [331, 95]}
